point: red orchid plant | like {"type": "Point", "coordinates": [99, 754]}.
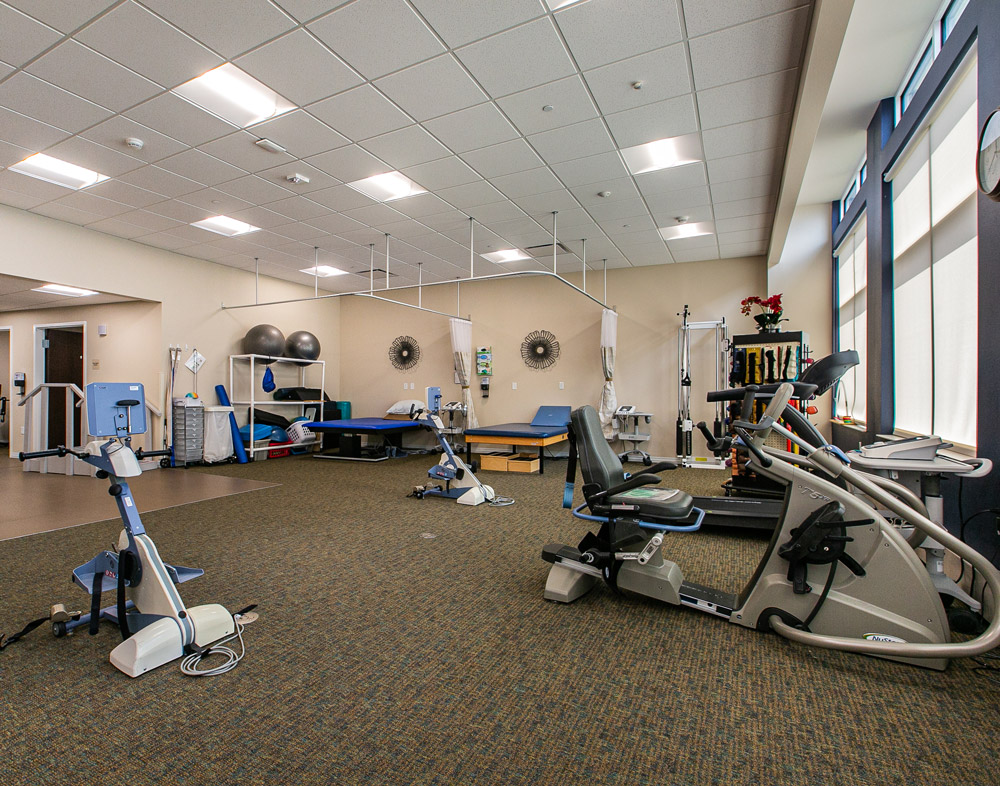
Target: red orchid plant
{"type": "Point", "coordinates": [770, 311]}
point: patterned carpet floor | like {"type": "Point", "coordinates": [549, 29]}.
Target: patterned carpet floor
{"type": "Point", "coordinates": [384, 656]}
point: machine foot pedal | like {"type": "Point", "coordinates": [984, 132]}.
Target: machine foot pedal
{"type": "Point", "coordinates": [707, 599]}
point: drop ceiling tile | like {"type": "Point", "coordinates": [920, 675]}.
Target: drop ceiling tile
{"type": "Point", "coordinates": [663, 73]}
{"type": "Point", "coordinates": [132, 36]}
{"type": "Point", "coordinates": [471, 194]}
{"type": "Point", "coordinates": [665, 181]}
{"type": "Point", "coordinates": [604, 32]}
{"type": "Point", "coordinates": [545, 203]}
{"type": "Point", "coordinates": [113, 133]}
{"type": "Point", "coordinates": [751, 99]}
{"type": "Point", "coordinates": [16, 129]}
{"type": "Point", "coordinates": [5, 69]}
{"type": "Point", "coordinates": [757, 235]}
{"type": "Point", "coordinates": [200, 167]}
{"type": "Point", "coordinates": [459, 22]}
{"type": "Point", "coordinates": [176, 118]}
{"type": "Point", "coordinates": [744, 207]}
{"type": "Point", "coordinates": [30, 186]}
{"type": "Point", "coordinates": [399, 38]}
{"type": "Point", "coordinates": [738, 223]}
{"type": "Point", "coordinates": [673, 203]}
{"type": "Point", "coordinates": [180, 212]}
{"type": "Point", "coordinates": [63, 16]}
{"type": "Point", "coordinates": [576, 141]}
{"type": "Point", "coordinates": [534, 181]}
{"type": "Point", "coordinates": [12, 154]}
{"type": "Point", "coordinates": [649, 254]}
{"type": "Point", "coordinates": [66, 213]}
{"type": "Point", "coordinates": [91, 155]}
{"type": "Point", "coordinates": [517, 59]}
{"type": "Point", "coordinates": [695, 255]}
{"type": "Point", "coordinates": [421, 205]}
{"type": "Point", "coordinates": [360, 113]}
{"type": "Point", "coordinates": [590, 194]}
{"type": "Point", "coordinates": [23, 37]}
{"type": "Point", "coordinates": [472, 128]}
{"type": "Point", "coordinates": [260, 217]}
{"type": "Point", "coordinates": [744, 189]}
{"type": "Point", "coordinates": [298, 208]}
{"type": "Point", "coordinates": [192, 234]}
{"type": "Point", "coordinates": [575, 218]}
{"type": "Point", "coordinates": [611, 210]}
{"type": "Point", "coordinates": [300, 68]}
{"type": "Point", "coordinates": [89, 75]}
{"type": "Point", "coordinates": [431, 89]}
{"type": "Point", "coordinates": [307, 10]}
{"type": "Point", "coordinates": [115, 226]}
{"type": "Point", "coordinates": [83, 200]}
{"type": "Point", "coordinates": [317, 180]}
{"type": "Point", "coordinates": [758, 164]}
{"type": "Point", "coordinates": [247, 22]}
{"type": "Point", "coordinates": [742, 250]}
{"type": "Point", "coordinates": [591, 169]}
{"type": "Point", "coordinates": [303, 231]}
{"type": "Point", "coordinates": [160, 181]}
{"type": "Point", "coordinates": [216, 201]}
{"type": "Point", "coordinates": [688, 243]}
{"type": "Point", "coordinates": [442, 173]}
{"type": "Point", "coordinates": [151, 222]}
{"type": "Point", "coordinates": [165, 241]}
{"type": "Point", "coordinates": [763, 134]}
{"type": "Point", "coordinates": [503, 159]}
{"type": "Point", "coordinates": [705, 16]}
{"type": "Point", "coordinates": [255, 190]}
{"type": "Point", "coordinates": [373, 215]}
{"type": "Point", "coordinates": [568, 98]}
{"type": "Point", "coordinates": [340, 198]}
{"type": "Point", "coordinates": [406, 147]}
{"type": "Point", "coordinates": [300, 134]}
{"type": "Point", "coordinates": [673, 117]}
{"type": "Point", "coordinates": [38, 99]}
{"type": "Point", "coordinates": [633, 231]}
{"type": "Point", "coordinates": [348, 164]}
{"type": "Point", "coordinates": [366, 235]}
{"type": "Point", "coordinates": [763, 46]}
{"type": "Point", "coordinates": [690, 213]}
{"type": "Point", "coordinates": [406, 229]}
{"type": "Point", "coordinates": [19, 200]}
{"type": "Point", "coordinates": [240, 149]}
{"type": "Point", "coordinates": [452, 219]}
{"type": "Point", "coordinates": [494, 212]}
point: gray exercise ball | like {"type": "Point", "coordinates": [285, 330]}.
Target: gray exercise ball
{"type": "Point", "coordinates": [303, 345]}
{"type": "Point", "coordinates": [264, 340]}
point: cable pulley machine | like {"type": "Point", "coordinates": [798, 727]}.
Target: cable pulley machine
{"type": "Point", "coordinates": [685, 424]}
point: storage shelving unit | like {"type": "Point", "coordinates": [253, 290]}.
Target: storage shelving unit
{"type": "Point", "coordinates": [283, 369]}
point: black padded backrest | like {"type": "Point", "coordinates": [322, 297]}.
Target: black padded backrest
{"type": "Point", "coordinates": [826, 372]}
{"type": "Point", "coordinates": [598, 462]}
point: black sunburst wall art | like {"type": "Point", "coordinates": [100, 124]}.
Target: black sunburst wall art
{"type": "Point", "coordinates": [539, 349]}
{"type": "Point", "coordinates": [404, 352]}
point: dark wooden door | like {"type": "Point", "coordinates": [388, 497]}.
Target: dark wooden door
{"type": "Point", "coordinates": [63, 363]}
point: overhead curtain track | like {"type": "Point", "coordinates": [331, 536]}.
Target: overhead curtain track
{"type": "Point", "coordinates": [370, 293]}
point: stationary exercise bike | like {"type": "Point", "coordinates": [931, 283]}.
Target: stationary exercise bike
{"type": "Point", "coordinates": [460, 481]}
{"type": "Point", "coordinates": [836, 574]}
{"type": "Point", "coordinates": [155, 625]}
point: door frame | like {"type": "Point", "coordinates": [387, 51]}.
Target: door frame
{"type": "Point", "coordinates": [11, 402]}
{"type": "Point", "coordinates": [38, 334]}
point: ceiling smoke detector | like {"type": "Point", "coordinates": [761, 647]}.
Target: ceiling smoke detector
{"type": "Point", "coordinates": [134, 142]}
{"type": "Point", "coordinates": [297, 178]}
{"type": "Point", "coordinates": [604, 194]}
{"type": "Point", "coordinates": [682, 219]}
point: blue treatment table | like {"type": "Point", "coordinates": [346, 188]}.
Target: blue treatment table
{"type": "Point", "coordinates": [349, 436]}
{"type": "Point", "coordinates": [548, 427]}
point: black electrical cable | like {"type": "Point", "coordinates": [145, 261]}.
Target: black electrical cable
{"type": "Point", "coordinates": [822, 597]}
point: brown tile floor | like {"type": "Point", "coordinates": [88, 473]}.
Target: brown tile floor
{"type": "Point", "coordinates": [31, 503]}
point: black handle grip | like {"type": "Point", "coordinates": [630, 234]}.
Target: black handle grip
{"type": "Point", "coordinates": [141, 454]}
{"type": "Point", "coordinates": [22, 456]}
{"type": "Point", "coordinates": [748, 441]}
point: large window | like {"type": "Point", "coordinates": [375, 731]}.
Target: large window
{"type": "Point", "coordinates": [935, 269]}
{"type": "Point", "coordinates": [852, 320]}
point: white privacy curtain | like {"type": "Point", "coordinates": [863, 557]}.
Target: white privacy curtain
{"type": "Point", "coordinates": [609, 401]}
{"type": "Point", "coordinates": [461, 346]}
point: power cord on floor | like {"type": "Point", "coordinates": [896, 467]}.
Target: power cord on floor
{"type": "Point", "coordinates": [189, 665]}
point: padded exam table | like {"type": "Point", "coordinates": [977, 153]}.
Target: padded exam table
{"type": "Point", "coordinates": [548, 427]}
{"type": "Point", "coordinates": [349, 436]}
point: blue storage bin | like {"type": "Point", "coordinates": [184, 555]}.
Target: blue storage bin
{"type": "Point", "coordinates": [260, 431]}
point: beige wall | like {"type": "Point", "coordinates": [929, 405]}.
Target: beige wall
{"type": "Point", "coordinates": [190, 293]}
{"type": "Point", "coordinates": [504, 312]}
{"type": "Point", "coordinates": [804, 275]}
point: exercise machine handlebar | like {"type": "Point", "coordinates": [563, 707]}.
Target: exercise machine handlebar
{"type": "Point", "coordinates": [801, 390]}
{"type": "Point", "coordinates": [60, 451]}
{"type": "Point", "coordinates": [142, 454]}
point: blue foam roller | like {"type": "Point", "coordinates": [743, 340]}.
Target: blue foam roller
{"type": "Point", "coordinates": [241, 454]}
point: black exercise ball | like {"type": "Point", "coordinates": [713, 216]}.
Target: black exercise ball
{"type": "Point", "coordinates": [264, 340]}
{"type": "Point", "coordinates": [303, 345]}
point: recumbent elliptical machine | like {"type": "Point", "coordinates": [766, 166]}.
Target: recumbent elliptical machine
{"type": "Point", "coordinates": [835, 575]}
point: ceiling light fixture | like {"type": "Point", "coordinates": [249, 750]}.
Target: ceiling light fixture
{"type": "Point", "coordinates": [663, 154]}
{"type": "Point", "coordinates": [323, 271]}
{"type": "Point", "coordinates": [387, 187]}
{"type": "Point", "coordinates": [555, 5]}
{"type": "Point", "coordinates": [507, 255]}
{"type": "Point", "coordinates": [269, 146]}
{"type": "Point", "coordinates": [54, 170]}
{"type": "Point", "coordinates": [296, 178]}
{"type": "Point", "coordinates": [685, 230]}
{"type": "Point", "coordinates": [233, 95]}
{"type": "Point", "coordinates": [224, 225]}
{"type": "Point", "coordinates": [59, 289]}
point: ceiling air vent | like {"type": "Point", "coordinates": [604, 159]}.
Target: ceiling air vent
{"type": "Point", "coordinates": [545, 251]}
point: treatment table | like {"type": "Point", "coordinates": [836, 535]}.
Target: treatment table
{"type": "Point", "coordinates": [548, 427]}
{"type": "Point", "coordinates": [349, 437]}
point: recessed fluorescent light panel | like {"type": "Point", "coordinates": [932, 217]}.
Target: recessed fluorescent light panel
{"type": "Point", "coordinates": [59, 289]}
{"type": "Point", "coordinates": [323, 271]}
{"type": "Point", "coordinates": [233, 95]}
{"type": "Point", "coordinates": [663, 154]}
{"type": "Point", "coordinates": [224, 225]}
{"type": "Point", "coordinates": [688, 230]}
{"type": "Point", "coordinates": [507, 255]}
{"type": "Point", "coordinates": [62, 173]}
{"type": "Point", "coordinates": [387, 187]}
{"type": "Point", "coordinates": [555, 5]}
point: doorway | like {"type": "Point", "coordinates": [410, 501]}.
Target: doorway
{"type": "Point", "coordinates": [59, 357]}
{"type": "Point", "coordinates": [6, 413]}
